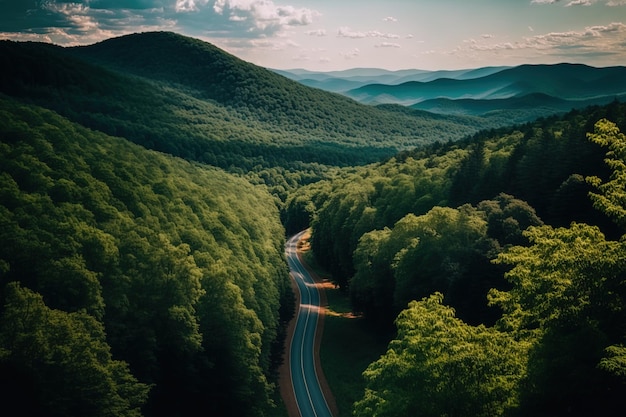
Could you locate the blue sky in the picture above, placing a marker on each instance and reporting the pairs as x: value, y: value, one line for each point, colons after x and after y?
x: 339, y: 34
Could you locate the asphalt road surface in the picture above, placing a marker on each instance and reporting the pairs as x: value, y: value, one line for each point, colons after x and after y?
x: 306, y: 386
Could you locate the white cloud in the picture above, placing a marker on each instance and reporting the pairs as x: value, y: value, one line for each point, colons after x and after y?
x: 72, y: 23
x: 346, y: 32
x: 318, y: 32
x: 603, y: 37
x: 568, y: 4
x: 387, y: 45
x: 68, y: 22
x: 231, y: 19
x: 580, y: 3
x: 390, y: 19
x: 188, y: 5
x: 475, y: 46
x: 351, y: 54
x: 262, y: 17
x: 377, y: 34
x: 602, y: 41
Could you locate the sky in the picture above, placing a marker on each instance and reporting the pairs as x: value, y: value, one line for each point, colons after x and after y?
x: 327, y: 35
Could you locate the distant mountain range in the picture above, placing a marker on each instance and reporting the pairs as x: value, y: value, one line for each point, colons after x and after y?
x: 186, y: 97
x: 479, y: 92
x: 346, y: 80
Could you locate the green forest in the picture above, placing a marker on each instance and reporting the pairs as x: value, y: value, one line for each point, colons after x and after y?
x: 147, y: 187
x: 133, y: 281
x: 498, y: 263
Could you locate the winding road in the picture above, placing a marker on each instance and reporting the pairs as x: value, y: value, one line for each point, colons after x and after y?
x: 306, y: 386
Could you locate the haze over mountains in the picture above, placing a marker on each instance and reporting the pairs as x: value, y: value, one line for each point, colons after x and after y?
x: 533, y: 89
x: 346, y: 80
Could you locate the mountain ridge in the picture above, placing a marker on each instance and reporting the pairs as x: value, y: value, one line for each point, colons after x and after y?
x: 480, y: 91
x: 344, y: 80
x: 565, y: 81
x: 189, y: 98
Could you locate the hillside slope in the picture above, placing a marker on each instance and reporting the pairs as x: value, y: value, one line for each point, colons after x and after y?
x: 188, y: 98
x: 131, y: 280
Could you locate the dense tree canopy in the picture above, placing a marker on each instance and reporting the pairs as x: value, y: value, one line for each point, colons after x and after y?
x: 466, y: 220
x: 445, y: 250
x: 186, y: 97
x: 64, y: 357
x: 515, y: 161
x: 165, y: 276
x: 371, y: 198
x: 557, y: 350
x: 440, y: 366
x: 136, y: 283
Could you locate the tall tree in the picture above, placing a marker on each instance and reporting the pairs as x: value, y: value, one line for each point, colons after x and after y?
x: 611, y: 195
x: 440, y: 366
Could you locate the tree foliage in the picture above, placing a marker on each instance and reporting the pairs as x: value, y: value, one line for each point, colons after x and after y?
x: 185, y: 97
x: 159, y: 286
x: 180, y: 265
x: 371, y: 198
x: 558, y: 347
x: 444, y: 250
x: 65, y: 358
x: 540, y: 166
x: 611, y: 195
x: 440, y: 366
x: 568, y: 293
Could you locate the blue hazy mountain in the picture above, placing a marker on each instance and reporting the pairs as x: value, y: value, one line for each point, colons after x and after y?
x: 343, y: 81
x: 564, y: 81
x: 515, y: 109
x: 521, y: 93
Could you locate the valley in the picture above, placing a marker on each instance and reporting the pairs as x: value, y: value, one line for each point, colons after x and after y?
x: 471, y: 221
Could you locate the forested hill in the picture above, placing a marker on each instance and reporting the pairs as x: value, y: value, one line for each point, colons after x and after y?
x: 131, y: 282
x: 188, y: 98
x: 211, y: 73
x: 501, y: 262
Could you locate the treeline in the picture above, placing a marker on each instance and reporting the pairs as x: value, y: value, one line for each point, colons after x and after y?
x: 559, y: 347
x: 187, y: 98
x: 133, y: 283
x: 542, y: 163
x: 522, y: 306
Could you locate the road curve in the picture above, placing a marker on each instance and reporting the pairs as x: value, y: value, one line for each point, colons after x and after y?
x: 306, y: 386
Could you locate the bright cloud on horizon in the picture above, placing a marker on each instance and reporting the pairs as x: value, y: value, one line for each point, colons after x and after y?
x: 329, y: 35
x: 346, y: 32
